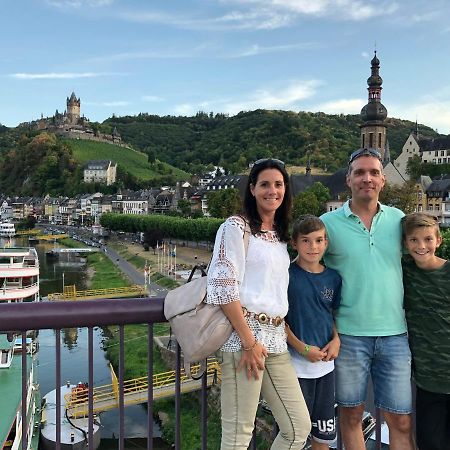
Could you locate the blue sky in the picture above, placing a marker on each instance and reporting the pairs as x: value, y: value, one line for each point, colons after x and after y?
x: 180, y: 56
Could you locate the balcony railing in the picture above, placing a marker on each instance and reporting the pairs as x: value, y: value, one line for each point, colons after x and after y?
x: 22, y: 317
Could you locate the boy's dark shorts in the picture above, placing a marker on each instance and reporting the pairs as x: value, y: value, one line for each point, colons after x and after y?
x: 319, y: 397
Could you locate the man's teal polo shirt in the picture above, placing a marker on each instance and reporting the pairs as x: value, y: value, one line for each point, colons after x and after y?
x: 369, y: 263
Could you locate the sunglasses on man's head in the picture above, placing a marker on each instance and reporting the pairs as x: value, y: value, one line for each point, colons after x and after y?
x: 364, y: 152
x: 276, y: 161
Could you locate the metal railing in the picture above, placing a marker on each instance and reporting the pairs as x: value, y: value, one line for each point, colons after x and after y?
x: 22, y: 317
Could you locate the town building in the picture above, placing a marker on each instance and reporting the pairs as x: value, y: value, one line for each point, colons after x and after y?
x: 100, y: 172
x: 429, y: 150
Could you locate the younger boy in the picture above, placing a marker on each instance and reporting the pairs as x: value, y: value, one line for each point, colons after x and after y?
x: 313, y: 293
x: 426, y: 279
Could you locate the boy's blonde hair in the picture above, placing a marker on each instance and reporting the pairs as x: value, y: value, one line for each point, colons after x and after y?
x: 416, y: 220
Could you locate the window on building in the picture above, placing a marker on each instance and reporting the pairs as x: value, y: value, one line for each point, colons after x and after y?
x: 436, y: 153
x: 370, y: 140
x: 439, y: 160
x: 379, y: 140
x: 436, y: 208
x: 444, y: 160
x: 430, y: 207
x: 363, y: 140
x: 419, y: 208
x: 442, y: 152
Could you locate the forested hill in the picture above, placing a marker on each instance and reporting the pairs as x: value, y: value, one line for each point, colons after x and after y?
x: 233, y: 142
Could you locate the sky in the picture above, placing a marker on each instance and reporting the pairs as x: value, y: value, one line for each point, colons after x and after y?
x: 178, y: 57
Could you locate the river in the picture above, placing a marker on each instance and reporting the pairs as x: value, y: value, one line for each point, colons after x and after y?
x: 74, y: 353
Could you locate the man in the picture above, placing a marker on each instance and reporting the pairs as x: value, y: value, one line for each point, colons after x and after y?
x: 365, y: 248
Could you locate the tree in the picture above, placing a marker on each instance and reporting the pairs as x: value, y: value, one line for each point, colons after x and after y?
x: 152, y: 237
x: 322, y: 194
x: 311, y: 201
x: 223, y: 203
x: 185, y: 207
x: 151, y: 155
x: 414, y: 167
x: 402, y: 197
x: 305, y: 203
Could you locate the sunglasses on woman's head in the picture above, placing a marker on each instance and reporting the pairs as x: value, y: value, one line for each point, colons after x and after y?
x: 276, y: 161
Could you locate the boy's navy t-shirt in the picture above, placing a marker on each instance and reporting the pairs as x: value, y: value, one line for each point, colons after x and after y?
x: 312, y: 299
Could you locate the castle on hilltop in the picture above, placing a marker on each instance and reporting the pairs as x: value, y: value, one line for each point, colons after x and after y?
x: 72, y: 124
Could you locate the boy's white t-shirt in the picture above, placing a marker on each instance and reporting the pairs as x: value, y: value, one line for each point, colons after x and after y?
x: 307, y: 369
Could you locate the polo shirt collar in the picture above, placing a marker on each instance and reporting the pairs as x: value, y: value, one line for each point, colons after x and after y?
x: 348, y: 212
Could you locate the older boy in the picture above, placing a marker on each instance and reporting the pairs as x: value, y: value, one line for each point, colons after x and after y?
x: 426, y: 280
x: 313, y: 294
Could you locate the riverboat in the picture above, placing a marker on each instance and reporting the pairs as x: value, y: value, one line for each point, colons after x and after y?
x: 11, y: 398
x: 19, y: 275
x: 7, y: 230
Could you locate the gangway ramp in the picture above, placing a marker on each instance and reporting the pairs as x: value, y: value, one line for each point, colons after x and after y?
x: 136, y: 390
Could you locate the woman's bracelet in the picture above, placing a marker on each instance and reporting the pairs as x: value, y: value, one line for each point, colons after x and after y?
x: 247, y: 349
x: 306, y: 350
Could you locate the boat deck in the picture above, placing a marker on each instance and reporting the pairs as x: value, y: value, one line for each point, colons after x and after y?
x: 10, y: 391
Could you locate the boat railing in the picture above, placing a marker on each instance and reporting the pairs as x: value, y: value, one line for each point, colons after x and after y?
x: 23, y: 317
x: 14, y: 286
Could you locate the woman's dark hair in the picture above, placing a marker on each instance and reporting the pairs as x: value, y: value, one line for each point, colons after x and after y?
x: 282, y: 214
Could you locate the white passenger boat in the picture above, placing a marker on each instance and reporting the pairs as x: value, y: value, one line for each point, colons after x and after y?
x: 19, y: 275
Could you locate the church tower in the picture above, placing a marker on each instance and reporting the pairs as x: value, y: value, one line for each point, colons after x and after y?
x: 73, y: 109
x: 373, y: 115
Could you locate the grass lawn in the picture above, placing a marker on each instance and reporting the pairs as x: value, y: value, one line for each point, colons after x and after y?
x: 130, y: 160
x: 106, y: 275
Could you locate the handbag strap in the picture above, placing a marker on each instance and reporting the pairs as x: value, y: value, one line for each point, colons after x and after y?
x: 246, y: 238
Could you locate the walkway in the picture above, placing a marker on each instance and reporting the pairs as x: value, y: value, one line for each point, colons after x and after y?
x: 135, y: 391
x: 132, y: 273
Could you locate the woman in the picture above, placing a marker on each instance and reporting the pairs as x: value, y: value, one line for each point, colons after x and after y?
x: 252, y: 291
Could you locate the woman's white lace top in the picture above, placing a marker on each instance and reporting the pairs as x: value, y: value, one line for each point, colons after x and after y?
x: 259, y: 281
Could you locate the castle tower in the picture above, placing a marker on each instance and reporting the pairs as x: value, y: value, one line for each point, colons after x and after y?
x: 73, y: 109
x: 373, y: 115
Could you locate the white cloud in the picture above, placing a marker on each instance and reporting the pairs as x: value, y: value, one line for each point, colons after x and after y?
x: 256, y: 49
x: 356, y: 10
x: 151, y: 98
x: 267, y: 98
x: 56, y: 75
x: 258, y: 20
x: 430, y: 111
x: 341, y: 106
x: 79, y: 3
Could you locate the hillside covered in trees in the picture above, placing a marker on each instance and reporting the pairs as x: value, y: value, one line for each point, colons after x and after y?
x: 36, y: 164
x: 233, y: 142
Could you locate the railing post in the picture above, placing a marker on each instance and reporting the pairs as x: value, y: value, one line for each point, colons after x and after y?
x: 24, y: 391
x: 58, y: 388
x: 121, y: 378
x: 204, y: 409
x: 91, y: 388
x: 150, y: 386
x: 177, y: 397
